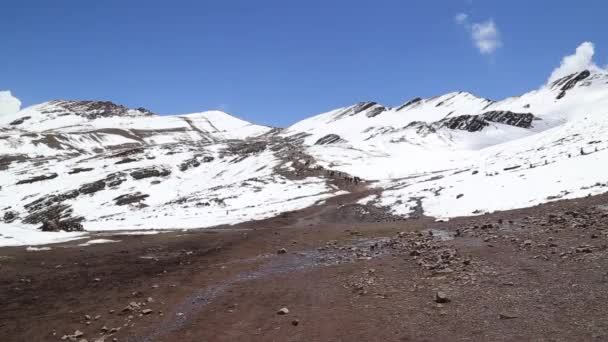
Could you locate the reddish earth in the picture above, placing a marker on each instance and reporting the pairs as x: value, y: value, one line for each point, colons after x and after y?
x: 536, y: 274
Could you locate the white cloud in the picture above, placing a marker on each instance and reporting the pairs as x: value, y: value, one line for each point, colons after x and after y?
x: 581, y: 60
x: 485, y: 35
x: 461, y: 18
x: 8, y: 103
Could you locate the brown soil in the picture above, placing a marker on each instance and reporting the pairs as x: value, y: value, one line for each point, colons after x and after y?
x: 536, y: 274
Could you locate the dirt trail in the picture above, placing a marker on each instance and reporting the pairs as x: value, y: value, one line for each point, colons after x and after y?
x: 536, y: 274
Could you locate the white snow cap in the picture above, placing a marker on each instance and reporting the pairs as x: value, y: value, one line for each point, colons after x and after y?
x: 8, y: 103
x: 581, y: 60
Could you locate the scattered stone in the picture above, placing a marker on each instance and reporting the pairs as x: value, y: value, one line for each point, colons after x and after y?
x: 506, y: 316
x: 146, y: 311
x: 283, y: 311
x: 441, y: 297
x: 282, y: 251
x: 295, y: 322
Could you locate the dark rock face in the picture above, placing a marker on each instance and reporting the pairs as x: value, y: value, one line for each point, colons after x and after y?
x: 470, y: 123
x: 329, y: 139
x: 20, y: 121
x: 91, y: 188
x: 115, y: 179
x: 248, y: 147
x: 9, y: 216
x: 409, y: 103
x: 125, y: 161
x: 67, y: 225
x: 47, y: 201
x: 130, y: 198
x: 569, y: 82
x: 37, y: 179
x: 150, y: 172
x: 476, y: 123
x: 190, y: 163
x: 362, y: 106
x: 375, y: 111
x: 128, y: 152
x: 58, y: 211
x: 80, y: 169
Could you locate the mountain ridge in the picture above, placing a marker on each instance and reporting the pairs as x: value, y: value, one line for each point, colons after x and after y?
x: 76, y: 167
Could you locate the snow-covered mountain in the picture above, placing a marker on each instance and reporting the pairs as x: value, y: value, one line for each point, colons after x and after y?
x: 458, y: 154
x: 68, y: 165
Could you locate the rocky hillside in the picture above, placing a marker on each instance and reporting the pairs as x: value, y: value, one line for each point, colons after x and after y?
x: 71, y: 167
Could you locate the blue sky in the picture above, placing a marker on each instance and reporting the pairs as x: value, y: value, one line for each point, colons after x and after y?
x: 275, y: 62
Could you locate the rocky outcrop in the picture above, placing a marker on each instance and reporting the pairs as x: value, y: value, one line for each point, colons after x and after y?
x: 20, y: 121
x: 189, y: 163
x: 372, y: 108
x: 93, y: 109
x: 10, y: 216
x: 329, y: 139
x: 476, y: 123
x: 67, y: 225
x: 80, y: 169
x: 93, y: 187
x: 150, y: 172
x: 569, y: 82
x: 409, y: 103
x: 37, y: 179
x: 130, y: 198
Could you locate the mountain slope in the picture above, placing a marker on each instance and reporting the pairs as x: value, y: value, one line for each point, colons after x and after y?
x: 479, y: 155
x: 68, y: 167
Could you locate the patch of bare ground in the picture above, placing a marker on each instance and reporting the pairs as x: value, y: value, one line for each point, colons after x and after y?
x: 535, y: 274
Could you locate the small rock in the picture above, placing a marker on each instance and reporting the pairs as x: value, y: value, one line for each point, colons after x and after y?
x: 295, y: 322
x: 506, y: 316
x: 282, y: 251
x: 78, y: 333
x: 283, y: 311
x: 441, y: 297
x: 146, y: 311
